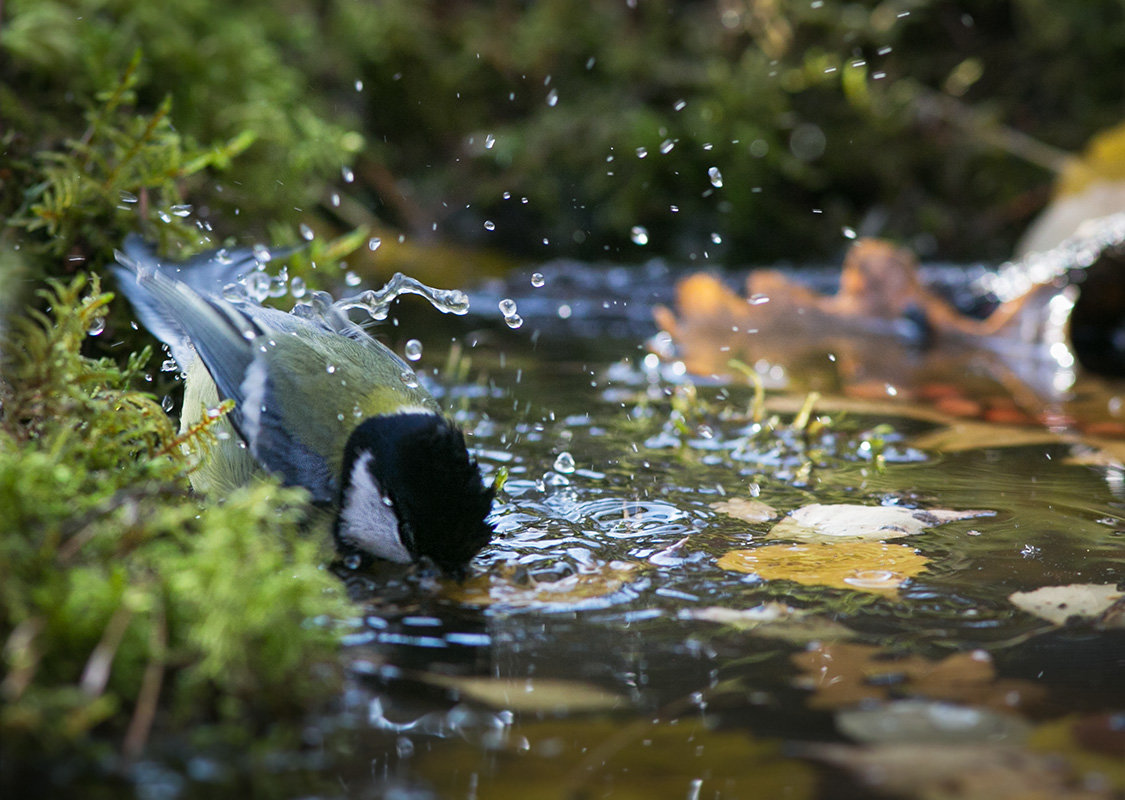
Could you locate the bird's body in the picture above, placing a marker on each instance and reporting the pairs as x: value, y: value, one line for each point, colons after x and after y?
x: 313, y: 397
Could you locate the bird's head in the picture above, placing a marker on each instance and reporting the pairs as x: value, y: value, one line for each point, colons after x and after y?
x: 410, y: 489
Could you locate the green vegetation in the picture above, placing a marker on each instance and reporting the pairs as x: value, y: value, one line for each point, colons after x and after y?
x: 126, y: 603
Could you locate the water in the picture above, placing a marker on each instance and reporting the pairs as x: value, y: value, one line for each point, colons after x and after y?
x: 599, y: 648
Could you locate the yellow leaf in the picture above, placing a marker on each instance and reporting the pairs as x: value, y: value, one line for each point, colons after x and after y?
x: 504, y: 586
x: 863, y: 566
x: 747, y: 510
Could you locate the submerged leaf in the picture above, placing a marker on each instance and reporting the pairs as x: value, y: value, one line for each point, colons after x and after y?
x: 535, y: 695
x: 863, y: 566
x: 1058, y: 604
x: 844, y: 520
x: 918, y: 721
x: 774, y: 621
x: 748, y: 510
x: 508, y: 587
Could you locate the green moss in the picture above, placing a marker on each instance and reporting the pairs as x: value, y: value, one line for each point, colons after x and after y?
x: 126, y: 603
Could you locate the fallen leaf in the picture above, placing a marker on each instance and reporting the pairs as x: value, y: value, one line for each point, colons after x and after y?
x: 844, y: 520
x: 966, y: 772
x: 843, y: 674
x: 774, y: 621
x: 864, y: 566
x: 935, y: 722
x: 969, y: 435
x: 747, y: 510
x: 505, y: 586
x: 1058, y: 604
x: 527, y: 694
x: 607, y: 757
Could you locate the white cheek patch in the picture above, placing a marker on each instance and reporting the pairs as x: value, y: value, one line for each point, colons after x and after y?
x: 366, y: 521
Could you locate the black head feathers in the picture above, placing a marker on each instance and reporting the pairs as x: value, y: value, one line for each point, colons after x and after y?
x: 422, y: 468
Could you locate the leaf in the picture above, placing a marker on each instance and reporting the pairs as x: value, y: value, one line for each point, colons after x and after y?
x: 748, y: 510
x: 843, y: 674
x: 864, y: 522
x: 774, y: 621
x: 1058, y: 604
x: 529, y: 695
x: 975, y: 771
x: 507, y: 587
x: 928, y: 721
x: 864, y: 566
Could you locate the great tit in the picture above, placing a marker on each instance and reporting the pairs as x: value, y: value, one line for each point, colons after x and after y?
x: 319, y: 403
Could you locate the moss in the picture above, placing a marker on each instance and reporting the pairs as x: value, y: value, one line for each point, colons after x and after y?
x: 125, y: 602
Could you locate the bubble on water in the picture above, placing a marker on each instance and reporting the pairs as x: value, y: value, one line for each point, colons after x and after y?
x: 347, y: 174
x: 537, y: 279
x: 553, y: 98
x: 715, y: 176
x: 306, y: 232
x: 413, y: 349
x: 374, y: 243
x: 489, y: 225
x: 408, y: 377
x: 564, y: 463
x: 639, y: 235
x: 352, y: 279
x: 642, y: 152
x: 96, y: 327
x: 297, y: 287
x: 666, y: 146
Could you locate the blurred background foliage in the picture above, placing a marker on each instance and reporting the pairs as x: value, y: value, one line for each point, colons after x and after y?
x: 935, y: 122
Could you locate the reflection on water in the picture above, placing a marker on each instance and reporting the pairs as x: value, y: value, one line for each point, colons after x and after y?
x: 584, y: 656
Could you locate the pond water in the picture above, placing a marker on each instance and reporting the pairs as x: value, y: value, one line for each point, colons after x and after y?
x: 636, y: 630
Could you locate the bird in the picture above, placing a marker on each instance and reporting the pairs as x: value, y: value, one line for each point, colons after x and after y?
x: 318, y: 402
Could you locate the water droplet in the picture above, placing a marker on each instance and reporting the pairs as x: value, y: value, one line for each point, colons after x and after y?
x: 716, y: 238
x: 409, y: 378
x: 758, y: 299
x: 297, y: 287
x: 97, y: 326
x: 262, y: 255
x: 564, y: 463
x: 680, y: 105
x: 351, y: 279
x: 537, y: 279
x: 507, y: 195
x: 489, y: 225
x: 330, y: 369
x: 182, y: 210
x: 641, y: 152
x: 347, y: 174
x: 169, y: 365
x: 306, y: 232
x: 514, y: 321
x: 413, y: 349
x: 666, y: 146
x: 373, y: 243
x: 489, y: 141
x: 553, y: 98
x: 128, y: 197
x: 353, y: 561
x: 849, y: 232
x: 359, y: 86
x: 639, y: 235
x: 715, y: 176
x: 507, y: 306
x: 335, y: 199
x: 166, y: 402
